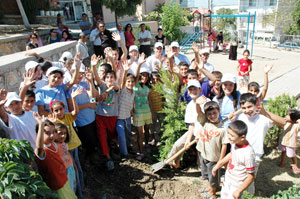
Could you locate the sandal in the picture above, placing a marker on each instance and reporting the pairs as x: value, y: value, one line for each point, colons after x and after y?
x: 295, y: 169
x: 140, y: 157
x: 206, y: 195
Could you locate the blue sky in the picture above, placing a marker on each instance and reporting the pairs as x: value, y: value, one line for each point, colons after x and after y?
x: 203, y: 3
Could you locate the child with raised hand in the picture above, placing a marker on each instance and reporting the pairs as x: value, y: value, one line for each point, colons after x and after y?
x: 126, y: 101
x: 28, y: 101
x: 212, y: 145
x: 288, y: 140
x: 54, y: 172
x: 244, y: 68
x: 254, y: 88
x: 107, y: 109
x: 62, y: 138
x: 55, y: 90
x: 58, y: 114
x: 240, y: 171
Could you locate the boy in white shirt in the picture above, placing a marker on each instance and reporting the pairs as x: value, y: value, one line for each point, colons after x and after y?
x: 19, y: 124
x: 240, y: 171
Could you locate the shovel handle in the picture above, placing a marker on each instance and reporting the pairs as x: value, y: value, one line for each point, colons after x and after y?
x: 179, y: 152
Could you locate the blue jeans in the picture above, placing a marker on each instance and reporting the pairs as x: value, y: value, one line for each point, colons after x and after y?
x: 79, y: 173
x: 124, y: 134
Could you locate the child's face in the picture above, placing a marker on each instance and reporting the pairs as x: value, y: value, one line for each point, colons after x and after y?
x: 204, y: 57
x: 217, y: 83
x: 54, y: 79
x: 49, y: 134
x: 249, y: 109
x: 61, y: 135
x: 183, y: 70
x: 129, y: 83
x: 228, y: 88
x: 110, y: 79
x: 144, y: 77
x: 253, y: 91
x: 115, y: 55
x: 58, y: 110
x: 245, y: 55
x: 155, y: 79
x: 234, y: 138
x: 134, y: 54
x: 28, y: 103
x: 192, y: 77
x: 101, y: 72
x: 213, y: 115
x: 15, y: 108
x: 194, y: 92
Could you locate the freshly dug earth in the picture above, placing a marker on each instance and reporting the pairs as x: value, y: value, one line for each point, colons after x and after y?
x: 134, y: 179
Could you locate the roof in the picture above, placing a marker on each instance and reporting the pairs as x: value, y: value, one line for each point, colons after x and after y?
x: 202, y: 11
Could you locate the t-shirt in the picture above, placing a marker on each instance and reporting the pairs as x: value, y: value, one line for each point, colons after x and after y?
x: 240, y: 164
x: 109, y: 107
x: 85, y: 24
x: 141, y: 101
x: 21, y: 127
x: 181, y: 58
x: 87, y: 115
x: 156, y: 101
x: 206, y: 89
x: 258, y: 126
x: 227, y: 107
x: 145, y: 35
x: 289, y: 135
x: 133, y: 68
x: 212, y: 137
x: 74, y: 139
x: 160, y: 39
x: 151, y: 61
x: 46, y: 95
x: 244, y: 66
x: 126, y: 100
x: 190, y: 116
x: 52, y: 168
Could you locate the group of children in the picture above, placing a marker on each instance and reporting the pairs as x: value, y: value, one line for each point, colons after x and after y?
x: 63, y: 105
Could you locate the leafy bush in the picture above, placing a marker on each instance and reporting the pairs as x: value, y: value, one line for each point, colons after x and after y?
x: 18, y: 180
x: 278, y: 106
x: 174, y: 126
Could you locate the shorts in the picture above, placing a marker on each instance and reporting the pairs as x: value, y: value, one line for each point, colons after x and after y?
x: 242, y: 79
x: 206, y: 171
x: 142, y: 119
x: 66, y: 192
x: 227, y: 191
x: 290, y: 151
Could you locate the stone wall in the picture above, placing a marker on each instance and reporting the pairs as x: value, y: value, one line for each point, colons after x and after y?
x: 12, y: 66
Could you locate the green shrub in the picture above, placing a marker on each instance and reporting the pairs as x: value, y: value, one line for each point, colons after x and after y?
x: 18, y: 180
x: 174, y: 126
x: 278, y: 106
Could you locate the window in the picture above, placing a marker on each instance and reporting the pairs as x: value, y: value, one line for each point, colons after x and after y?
x: 252, y: 2
x: 273, y: 2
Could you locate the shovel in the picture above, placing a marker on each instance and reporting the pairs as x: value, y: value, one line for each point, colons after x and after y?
x: 158, y: 166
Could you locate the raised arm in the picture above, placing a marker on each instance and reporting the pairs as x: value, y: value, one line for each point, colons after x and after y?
x: 94, y: 62
x: 3, y: 114
x: 29, y: 80
x: 39, y: 150
x: 92, y: 92
x: 117, y: 38
x: 74, y: 94
x: 126, y: 68
x: 76, y: 73
x: 266, y: 83
x: 279, y: 121
x: 141, y: 61
x: 196, y: 52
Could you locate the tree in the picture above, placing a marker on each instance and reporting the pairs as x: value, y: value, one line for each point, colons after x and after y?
x: 23, y: 14
x: 222, y: 23
x: 296, y: 15
x: 122, y: 7
x: 172, y: 18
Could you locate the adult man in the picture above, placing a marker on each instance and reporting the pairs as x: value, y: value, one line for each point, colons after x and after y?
x: 95, y: 37
x: 144, y: 38
x: 121, y: 33
x: 106, y: 38
x: 82, y: 48
x: 154, y: 61
x: 85, y: 25
x: 177, y: 56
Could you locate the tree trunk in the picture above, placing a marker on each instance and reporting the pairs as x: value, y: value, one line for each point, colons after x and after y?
x: 23, y: 14
x: 116, y: 20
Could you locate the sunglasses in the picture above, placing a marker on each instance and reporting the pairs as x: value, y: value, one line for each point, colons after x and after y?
x: 101, y: 26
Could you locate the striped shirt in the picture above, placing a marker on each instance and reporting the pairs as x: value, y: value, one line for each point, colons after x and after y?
x: 126, y: 99
x: 155, y: 101
x: 289, y: 135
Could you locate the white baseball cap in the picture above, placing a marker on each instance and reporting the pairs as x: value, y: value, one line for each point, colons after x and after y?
x: 54, y: 68
x: 81, y: 69
x: 145, y: 68
x: 175, y: 44
x: 11, y: 96
x: 65, y: 56
x: 31, y: 64
x: 194, y: 83
x: 228, y: 77
x: 158, y: 44
x: 205, y: 51
x: 133, y: 47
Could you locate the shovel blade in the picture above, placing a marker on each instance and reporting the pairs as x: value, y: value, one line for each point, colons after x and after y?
x: 158, y: 166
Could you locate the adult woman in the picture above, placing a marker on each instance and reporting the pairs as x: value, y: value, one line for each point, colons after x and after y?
x: 160, y: 37
x: 66, y: 36
x: 53, y: 38
x: 33, y: 42
x: 129, y: 37
x: 38, y: 40
x: 233, y: 46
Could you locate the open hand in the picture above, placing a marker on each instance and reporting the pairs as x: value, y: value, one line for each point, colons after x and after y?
x: 76, y: 92
x: 38, y: 118
x: 267, y: 68
x: 116, y: 36
x: 30, y: 77
x: 142, y: 58
x: 95, y: 60
x: 126, y: 66
x: 3, y: 95
x: 201, y: 100
x: 77, y: 60
x: 195, y: 47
